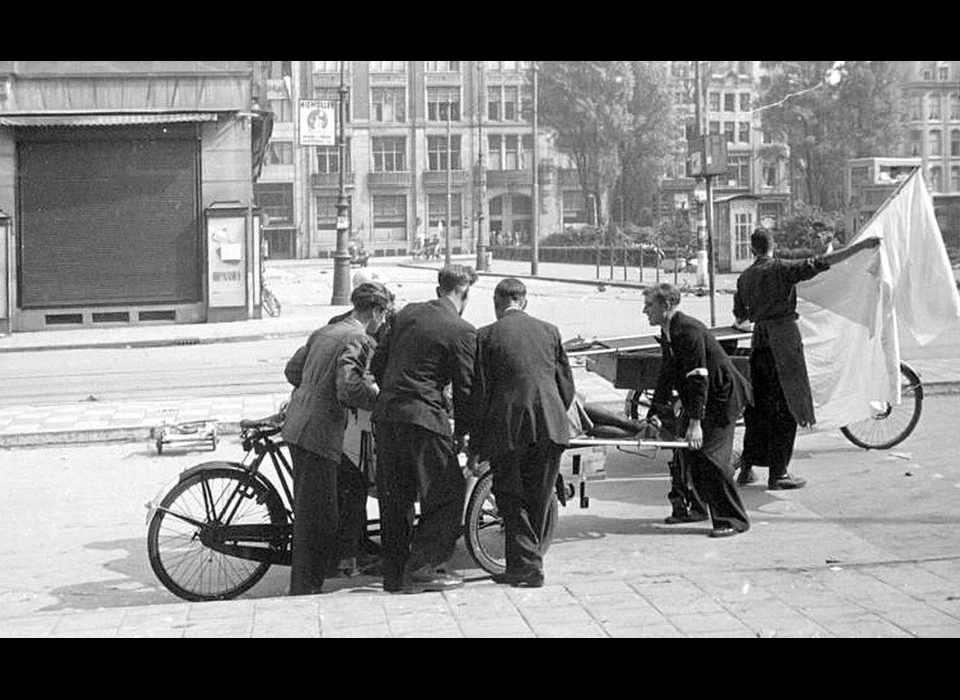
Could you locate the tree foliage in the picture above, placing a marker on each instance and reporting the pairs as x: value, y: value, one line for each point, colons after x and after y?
x: 825, y: 124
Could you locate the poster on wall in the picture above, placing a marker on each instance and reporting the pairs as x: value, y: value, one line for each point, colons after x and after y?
x: 317, y: 122
x: 226, y: 280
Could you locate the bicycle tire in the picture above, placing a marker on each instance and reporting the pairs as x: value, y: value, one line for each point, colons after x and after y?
x: 187, y: 567
x: 876, y: 433
x: 483, y: 531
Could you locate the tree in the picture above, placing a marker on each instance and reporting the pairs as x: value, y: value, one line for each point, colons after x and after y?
x: 825, y: 124
x: 586, y: 104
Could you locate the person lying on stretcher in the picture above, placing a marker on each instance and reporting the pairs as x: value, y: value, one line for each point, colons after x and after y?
x: 594, y: 420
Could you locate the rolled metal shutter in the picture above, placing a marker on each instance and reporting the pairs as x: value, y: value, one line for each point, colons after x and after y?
x: 108, y: 216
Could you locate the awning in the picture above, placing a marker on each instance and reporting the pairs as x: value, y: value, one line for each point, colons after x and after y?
x: 115, y: 119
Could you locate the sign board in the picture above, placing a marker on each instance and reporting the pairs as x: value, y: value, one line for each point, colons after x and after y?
x: 708, y: 155
x: 225, y: 245
x: 318, y: 122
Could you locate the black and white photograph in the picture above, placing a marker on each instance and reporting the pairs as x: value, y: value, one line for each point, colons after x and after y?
x: 480, y: 349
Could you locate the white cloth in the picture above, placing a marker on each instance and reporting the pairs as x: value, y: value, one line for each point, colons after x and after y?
x: 854, y: 316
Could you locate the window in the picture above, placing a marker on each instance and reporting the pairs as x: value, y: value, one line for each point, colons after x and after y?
x: 738, y: 168
x: 494, y: 156
x: 927, y: 74
x: 275, y: 199
x: 955, y: 179
x: 508, y: 65
x: 437, y: 211
x: 729, y: 102
x: 511, y: 155
x: 278, y: 70
x: 915, y: 143
x: 916, y: 107
x: 936, y: 176
x: 326, y: 66
x: 935, y: 143
x: 954, y: 107
x: 492, y: 65
x: 770, y: 175
x: 282, y: 111
x: 387, y: 66
x: 441, y: 66
x: 729, y: 131
x: 493, y: 104
x: 574, y: 211
x: 390, y: 211
x: 389, y: 154
x: 327, y: 211
x: 511, y: 99
x: 714, y: 101
x: 955, y: 142
x: 389, y: 105
x: 744, y: 101
x: 526, y: 153
x: 437, y: 152
x: 280, y: 153
x: 328, y: 158
x: 439, y: 100
x: 933, y: 102
x: 742, y: 67
x: 943, y: 73
x: 332, y: 94
x: 714, y: 128
x: 742, y: 230
x: 744, y: 132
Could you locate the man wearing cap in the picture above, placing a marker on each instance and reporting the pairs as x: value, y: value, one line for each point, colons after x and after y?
x: 429, y: 348
x: 332, y: 378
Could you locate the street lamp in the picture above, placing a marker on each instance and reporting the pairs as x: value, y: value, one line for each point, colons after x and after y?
x: 449, y: 226
x: 535, y: 250
x: 482, y: 237
x: 341, y: 258
x: 7, y: 263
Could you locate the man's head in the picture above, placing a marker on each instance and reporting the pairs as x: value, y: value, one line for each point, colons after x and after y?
x: 659, y: 302
x: 454, y: 282
x: 509, y: 294
x: 371, y: 302
x: 761, y: 242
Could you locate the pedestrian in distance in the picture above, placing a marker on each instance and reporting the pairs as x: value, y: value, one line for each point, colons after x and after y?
x: 331, y: 377
x: 767, y: 296
x: 712, y: 396
x: 429, y: 348
x: 523, y: 387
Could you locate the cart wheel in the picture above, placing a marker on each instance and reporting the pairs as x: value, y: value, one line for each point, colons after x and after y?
x: 890, y: 425
x: 483, y: 528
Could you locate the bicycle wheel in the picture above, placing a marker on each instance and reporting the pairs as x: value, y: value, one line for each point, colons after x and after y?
x: 890, y: 425
x: 483, y: 531
x: 216, y: 496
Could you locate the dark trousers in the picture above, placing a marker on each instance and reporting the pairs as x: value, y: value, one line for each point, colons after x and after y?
x: 315, y: 520
x: 524, y: 485
x: 770, y: 427
x: 717, y: 490
x: 352, y: 487
x: 683, y: 496
x: 411, y: 462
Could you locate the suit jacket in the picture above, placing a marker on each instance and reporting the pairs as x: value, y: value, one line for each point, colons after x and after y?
x: 429, y: 347
x: 332, y: 377
x: 523, y: 386
x: 694, y: 364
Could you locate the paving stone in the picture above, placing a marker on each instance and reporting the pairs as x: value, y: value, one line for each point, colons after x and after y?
x: 706, y: 622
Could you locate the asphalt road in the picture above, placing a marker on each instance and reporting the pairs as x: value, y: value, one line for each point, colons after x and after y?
x: 73, y: 531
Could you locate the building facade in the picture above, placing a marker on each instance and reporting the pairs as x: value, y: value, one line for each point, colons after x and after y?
x: 126, y: 187
x: 408, y: 125
x: 931, y: 108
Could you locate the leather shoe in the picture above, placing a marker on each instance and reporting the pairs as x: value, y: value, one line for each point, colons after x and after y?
x: 786, y: 482
x: 723, y: 531
x: 429, y: 579
x: 676, y: 519
x: 533, y: 579
x: 746, y: 476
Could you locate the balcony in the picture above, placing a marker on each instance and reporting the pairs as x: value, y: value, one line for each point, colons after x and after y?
x: 403, y: 178
x: 506, y: 178
x: 438, y: 178
x: 330, y: 180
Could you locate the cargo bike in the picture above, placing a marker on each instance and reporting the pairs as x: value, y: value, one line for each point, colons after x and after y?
x: 215, y: 532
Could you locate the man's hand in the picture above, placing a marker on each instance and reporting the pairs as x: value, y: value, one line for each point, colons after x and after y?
x: 695, y: 435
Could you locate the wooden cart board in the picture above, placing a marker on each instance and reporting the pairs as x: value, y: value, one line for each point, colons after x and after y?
x: 200, y: 433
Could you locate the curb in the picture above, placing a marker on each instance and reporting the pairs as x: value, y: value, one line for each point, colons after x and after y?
x: 159, y: 342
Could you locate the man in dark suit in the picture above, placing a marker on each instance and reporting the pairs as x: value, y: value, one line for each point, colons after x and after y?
x: 712, y: 393
x: 523, y: 387
x: 429, y: 347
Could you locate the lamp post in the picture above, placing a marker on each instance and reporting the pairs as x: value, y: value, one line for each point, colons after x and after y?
x: 535, y: 251
x: 482, y: 236
x: 449, y: 226
x: 341, y: 258
x: 7, y: 264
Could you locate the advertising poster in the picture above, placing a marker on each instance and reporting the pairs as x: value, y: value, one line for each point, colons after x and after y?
x: 226, y: 261
x: 318, y: 122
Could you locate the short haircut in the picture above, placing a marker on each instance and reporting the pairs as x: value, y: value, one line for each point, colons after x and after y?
x: 761, y: 241
x: 453, y: 277
x: 369, y: 296
x: 666, y: 293
x: 509, y: 290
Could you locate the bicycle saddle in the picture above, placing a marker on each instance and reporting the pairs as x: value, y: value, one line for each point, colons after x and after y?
x: 274, y: 422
